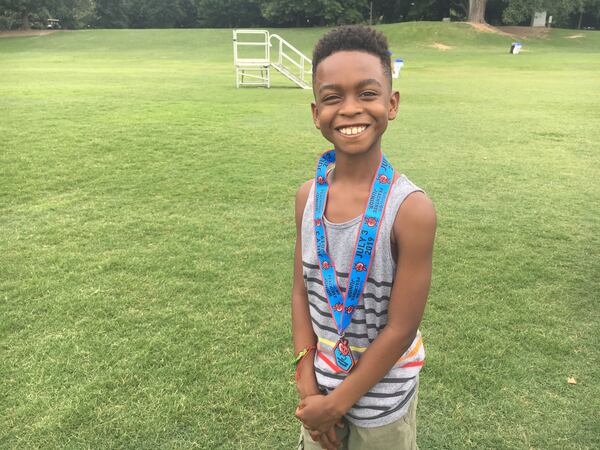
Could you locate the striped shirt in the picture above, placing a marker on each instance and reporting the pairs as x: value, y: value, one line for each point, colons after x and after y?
x: 389, y: 399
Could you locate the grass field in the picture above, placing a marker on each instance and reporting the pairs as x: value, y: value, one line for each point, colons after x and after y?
x: 146, y: 235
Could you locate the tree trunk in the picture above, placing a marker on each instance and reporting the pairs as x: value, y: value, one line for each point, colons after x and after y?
x: 25, y: 22
x: 477, y: 11
x: 580, y: 18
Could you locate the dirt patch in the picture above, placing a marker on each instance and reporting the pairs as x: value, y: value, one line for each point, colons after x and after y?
x: 515, y: 32
x: 574, y: 36
x: 441, y: 46
x: 20, y: 33
x: 486, y: 28
x: 526, y: 32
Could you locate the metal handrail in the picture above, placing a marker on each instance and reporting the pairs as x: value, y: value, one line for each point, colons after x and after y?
x: 291, y: 62
x: 264, y: 42
x: 303, y: 58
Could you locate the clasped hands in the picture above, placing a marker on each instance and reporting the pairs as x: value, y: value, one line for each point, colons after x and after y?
x: 320, y: 418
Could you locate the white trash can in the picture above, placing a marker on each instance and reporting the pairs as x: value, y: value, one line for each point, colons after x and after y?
x: 398, y: 64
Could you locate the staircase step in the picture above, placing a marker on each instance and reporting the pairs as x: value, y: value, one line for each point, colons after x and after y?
x: 287, y: 73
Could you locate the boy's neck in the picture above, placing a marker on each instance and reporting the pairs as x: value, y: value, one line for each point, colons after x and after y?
x: 356, y: 169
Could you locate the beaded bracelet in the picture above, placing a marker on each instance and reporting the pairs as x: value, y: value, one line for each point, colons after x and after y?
x: 302, y: 353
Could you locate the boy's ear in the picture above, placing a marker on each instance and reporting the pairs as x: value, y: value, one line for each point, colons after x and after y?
x: 315, y: 114
x: 394, y: 102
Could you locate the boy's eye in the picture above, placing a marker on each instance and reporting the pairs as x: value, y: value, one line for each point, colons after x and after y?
x: 368, y: 94
x: 331, y: 98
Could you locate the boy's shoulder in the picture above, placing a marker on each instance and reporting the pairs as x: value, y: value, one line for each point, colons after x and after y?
x: 304, y: 190
x: 416, y: 211
x: 302, y: 197
x: 415, y: 218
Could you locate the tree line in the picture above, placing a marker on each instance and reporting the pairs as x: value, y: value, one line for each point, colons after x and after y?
x: 76, y: 14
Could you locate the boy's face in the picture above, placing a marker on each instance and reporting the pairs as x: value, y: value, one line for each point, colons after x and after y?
x: 353, y: 101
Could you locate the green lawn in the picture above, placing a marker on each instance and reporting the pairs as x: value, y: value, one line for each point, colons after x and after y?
x: 146, y: 235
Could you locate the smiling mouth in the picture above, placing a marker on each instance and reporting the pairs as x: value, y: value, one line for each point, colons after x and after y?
x: 352, y: 131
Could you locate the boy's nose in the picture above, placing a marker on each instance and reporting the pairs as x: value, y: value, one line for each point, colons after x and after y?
x: 350, y: 107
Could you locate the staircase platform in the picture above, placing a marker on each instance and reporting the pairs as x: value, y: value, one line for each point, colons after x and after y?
x: 253, y: 59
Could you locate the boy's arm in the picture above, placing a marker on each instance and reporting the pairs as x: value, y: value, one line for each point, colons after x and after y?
x: 414, y: 232
x: 302, y: 331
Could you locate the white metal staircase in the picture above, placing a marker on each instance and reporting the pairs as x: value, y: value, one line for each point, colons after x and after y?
x: 253, y: 58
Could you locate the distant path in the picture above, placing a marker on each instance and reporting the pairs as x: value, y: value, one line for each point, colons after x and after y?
x: 20, y: 33
x: 486, y: 28
x: 520, y: 32
x: 526, y: 32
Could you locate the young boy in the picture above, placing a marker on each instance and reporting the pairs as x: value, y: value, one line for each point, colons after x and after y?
x: 362, y: 265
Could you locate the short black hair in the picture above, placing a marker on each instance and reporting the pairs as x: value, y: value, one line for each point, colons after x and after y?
x: 353, y: 38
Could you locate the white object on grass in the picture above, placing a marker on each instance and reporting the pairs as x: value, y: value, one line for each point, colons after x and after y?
x: 398, y: 64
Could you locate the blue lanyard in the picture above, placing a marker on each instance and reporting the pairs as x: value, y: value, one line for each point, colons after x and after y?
x: 343, y: 306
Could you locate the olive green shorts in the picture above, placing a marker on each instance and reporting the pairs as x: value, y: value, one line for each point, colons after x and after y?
x: 398, y: 435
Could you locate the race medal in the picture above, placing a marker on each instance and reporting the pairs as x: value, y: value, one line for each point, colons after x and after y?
x: 342, y: 306
x: 343, y: 355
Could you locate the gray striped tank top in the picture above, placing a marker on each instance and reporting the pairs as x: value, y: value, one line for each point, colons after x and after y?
x: 389, y: 399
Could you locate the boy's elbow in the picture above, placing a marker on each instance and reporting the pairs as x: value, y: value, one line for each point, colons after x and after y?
x: 400, y: 336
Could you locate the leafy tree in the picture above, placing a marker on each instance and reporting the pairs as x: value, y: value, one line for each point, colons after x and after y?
x: 343, y: 12
x: 74, y: 13
x: 229, y: 13
x: 153, y: 13
x: 111, y: 14
x: 571, y: 13
x: 289, y: 12
x: 494, y: 10
x: 591, y: 8
x: 189, y: 17
x: 519, y: 11
x: 427, y: 10
x: 8, y: 19
x: 24, y: 9
x: 388, y: 11
x: 459, y: 9
x: 314, y: 12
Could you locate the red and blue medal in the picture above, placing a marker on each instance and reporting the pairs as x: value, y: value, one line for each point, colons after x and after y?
x: 343, y: 306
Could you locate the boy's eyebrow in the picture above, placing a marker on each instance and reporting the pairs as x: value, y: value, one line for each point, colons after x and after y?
x: 329, y: 86
x: 368, y: 81
x: 359, y: 85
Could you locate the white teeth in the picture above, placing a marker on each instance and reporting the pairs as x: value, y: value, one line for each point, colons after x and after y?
x: 350, y: 131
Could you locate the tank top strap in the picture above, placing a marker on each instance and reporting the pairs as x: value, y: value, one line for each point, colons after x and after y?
x: 307, y: 216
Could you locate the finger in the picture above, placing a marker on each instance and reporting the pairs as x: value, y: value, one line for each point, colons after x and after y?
x: 340, y: 423
x: 332, y: 436
x: 324, y: 427
x: 323, y: 442
x: 314, y: 435
x: 326, y: 443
